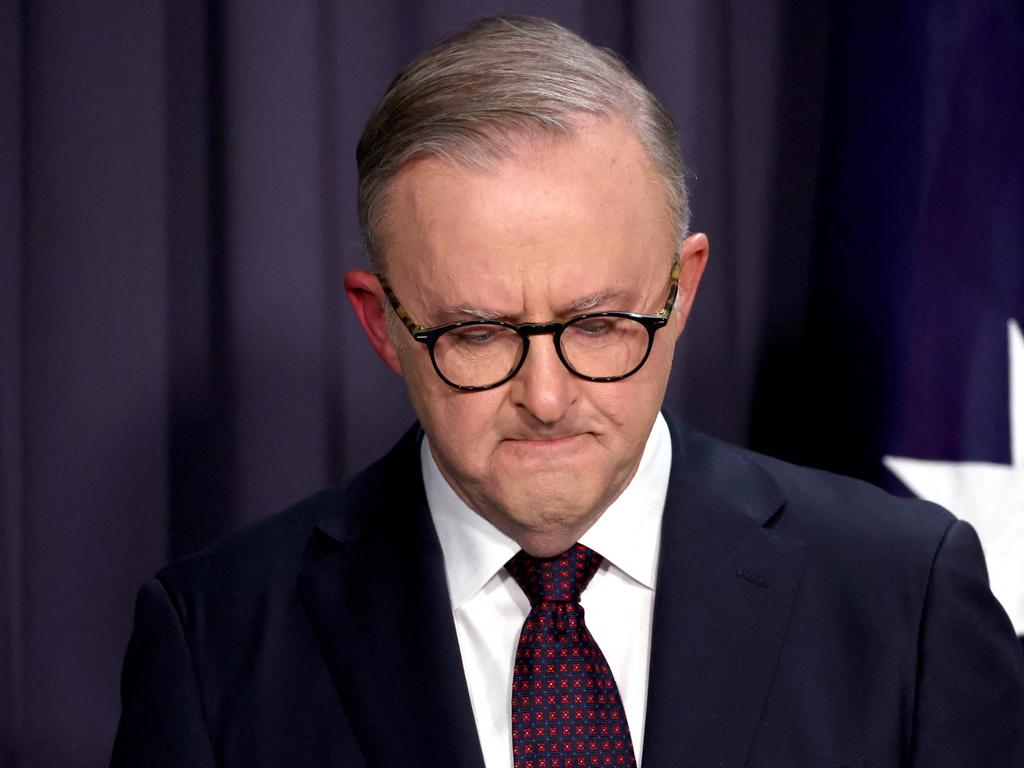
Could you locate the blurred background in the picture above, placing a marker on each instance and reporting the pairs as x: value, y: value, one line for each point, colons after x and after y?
x: 178, y: 360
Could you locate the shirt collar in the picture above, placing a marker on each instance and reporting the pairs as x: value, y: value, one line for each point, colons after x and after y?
x: 628, y: 532
x: 626, y: 535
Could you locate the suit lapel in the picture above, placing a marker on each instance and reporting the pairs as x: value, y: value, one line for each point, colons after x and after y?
x: 725, y: 590
x: 378, y: 601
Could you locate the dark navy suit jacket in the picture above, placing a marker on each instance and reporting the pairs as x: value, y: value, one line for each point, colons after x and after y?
x: 801, y: 620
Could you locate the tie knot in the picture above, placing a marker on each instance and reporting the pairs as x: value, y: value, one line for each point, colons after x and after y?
x: 558, y: 579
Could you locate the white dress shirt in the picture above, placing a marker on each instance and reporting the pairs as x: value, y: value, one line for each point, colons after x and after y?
x: 489, y: 608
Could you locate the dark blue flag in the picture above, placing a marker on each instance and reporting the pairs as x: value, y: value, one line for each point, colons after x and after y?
x: 911, y: 371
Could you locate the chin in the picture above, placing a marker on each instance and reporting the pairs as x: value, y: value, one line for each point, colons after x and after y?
x: 544, y: 515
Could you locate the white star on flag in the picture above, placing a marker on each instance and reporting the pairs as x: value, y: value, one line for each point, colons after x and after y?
x: 988, y: 496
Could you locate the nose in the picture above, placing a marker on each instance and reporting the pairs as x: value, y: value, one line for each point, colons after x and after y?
x: 544, y: 387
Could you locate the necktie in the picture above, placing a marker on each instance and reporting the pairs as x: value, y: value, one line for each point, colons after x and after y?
x: 566, y: 710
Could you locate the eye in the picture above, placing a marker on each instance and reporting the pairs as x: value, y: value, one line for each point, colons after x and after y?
x: 475, y: 335
x: 594, y: 326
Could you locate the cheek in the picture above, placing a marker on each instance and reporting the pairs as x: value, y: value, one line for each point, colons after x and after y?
x: 658, y: 367
x: 465, y: 440
x: 460, y: 425
x: 426, y: 392
x: 629, y: 408
x: 629, y: 403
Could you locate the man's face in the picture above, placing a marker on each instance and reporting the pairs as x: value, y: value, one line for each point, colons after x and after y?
x: 565, y: 227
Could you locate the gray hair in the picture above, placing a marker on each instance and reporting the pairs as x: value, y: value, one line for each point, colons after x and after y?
x: 474, y: 98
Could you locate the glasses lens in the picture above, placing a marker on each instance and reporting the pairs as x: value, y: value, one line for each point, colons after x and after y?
x: 602, y: 347
x: 477, y: 355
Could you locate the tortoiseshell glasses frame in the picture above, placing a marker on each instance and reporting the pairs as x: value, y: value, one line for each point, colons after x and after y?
x: 430, y: 336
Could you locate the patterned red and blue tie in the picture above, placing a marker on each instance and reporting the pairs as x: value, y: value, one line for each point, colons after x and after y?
x: 566, y: 710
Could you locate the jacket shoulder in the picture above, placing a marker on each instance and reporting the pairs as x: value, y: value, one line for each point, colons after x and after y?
x: 256, y: 560
x: 261, y: 564
x: 841, y: 517
x: 817, y: 498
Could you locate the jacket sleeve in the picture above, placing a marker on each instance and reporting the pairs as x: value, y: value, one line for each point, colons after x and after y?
x: 162, y: 720
x: 969, y: 708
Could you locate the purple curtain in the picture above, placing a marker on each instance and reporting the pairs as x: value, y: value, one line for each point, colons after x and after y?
x: 177, y: 357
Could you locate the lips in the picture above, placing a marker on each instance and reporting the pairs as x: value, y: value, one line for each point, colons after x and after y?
x: 549, y: 442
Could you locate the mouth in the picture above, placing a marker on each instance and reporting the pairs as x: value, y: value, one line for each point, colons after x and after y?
x: 549, y: 444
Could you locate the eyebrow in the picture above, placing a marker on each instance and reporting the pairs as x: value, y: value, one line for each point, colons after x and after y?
x: 474, y: 313
x: 596, y: 300
x: 579, y: 306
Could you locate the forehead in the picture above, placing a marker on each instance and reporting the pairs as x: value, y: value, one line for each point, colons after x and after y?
x: 587, y: 206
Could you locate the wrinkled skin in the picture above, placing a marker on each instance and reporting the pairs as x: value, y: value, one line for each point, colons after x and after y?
x: 567, y: 223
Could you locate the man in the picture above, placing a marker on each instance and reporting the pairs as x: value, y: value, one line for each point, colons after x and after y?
x: 548, y: 572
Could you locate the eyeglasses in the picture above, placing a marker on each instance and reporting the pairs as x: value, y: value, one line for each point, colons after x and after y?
x: 474, y: 355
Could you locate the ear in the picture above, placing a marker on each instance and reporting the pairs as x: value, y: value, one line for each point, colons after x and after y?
x: 366, y: 296
x: 693, y: 257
